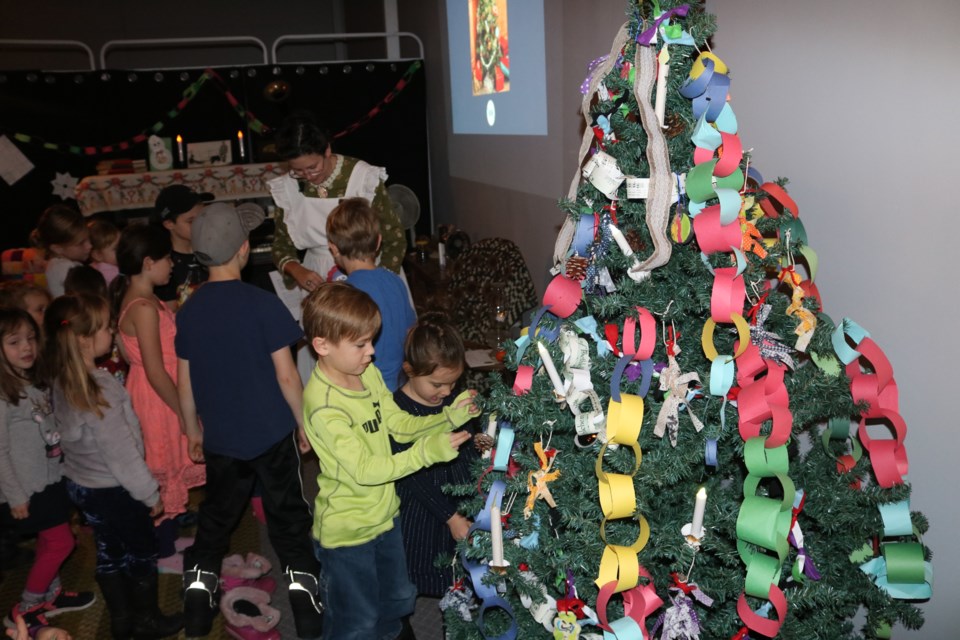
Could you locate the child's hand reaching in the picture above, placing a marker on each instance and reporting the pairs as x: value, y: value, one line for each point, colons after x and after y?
x: 465, y: 401
x: 459, y: 526
x: 457, y: 438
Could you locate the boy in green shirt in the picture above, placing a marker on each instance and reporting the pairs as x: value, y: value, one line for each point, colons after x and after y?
x: 349, y: 415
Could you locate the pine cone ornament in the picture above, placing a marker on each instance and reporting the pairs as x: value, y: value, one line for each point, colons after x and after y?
x: 635, y: 241
x: 577, y: 268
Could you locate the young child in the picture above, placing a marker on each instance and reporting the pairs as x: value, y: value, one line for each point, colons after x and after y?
x: 28, y: 296
x: 350, y: 415
x: 86, y: 280
x: 107, y: 477
x: 353, y: 235
x: 104, y: 236
x: 433, y: 362
x: 62, y: 232
x: 176, y: 207
x: 146, y: 329
x: 237, y: 375
x: 32, y: 493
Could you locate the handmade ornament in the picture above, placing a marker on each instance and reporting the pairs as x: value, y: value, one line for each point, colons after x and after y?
x: 64, y: 186
x: 545, y: 611
x: 566, y: 627
x: 604, y: 174
x: 576, y: 268
x: 675, y: 385
x: 767, y: 341
x: 538, y: 481
x: 459, y: 599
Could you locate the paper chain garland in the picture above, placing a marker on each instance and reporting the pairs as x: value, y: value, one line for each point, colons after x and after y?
x: 189, y: 94
x: 900, y: 570
x: 763, y: 524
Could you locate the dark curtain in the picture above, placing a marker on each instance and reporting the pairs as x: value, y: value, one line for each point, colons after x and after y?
x: 46, y: 114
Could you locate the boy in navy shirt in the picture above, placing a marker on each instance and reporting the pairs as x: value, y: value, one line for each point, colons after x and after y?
x: 237, y: 375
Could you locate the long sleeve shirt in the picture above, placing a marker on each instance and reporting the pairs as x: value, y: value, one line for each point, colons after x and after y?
x: 350, y: 432
x: 105, y: 452
x: 393, y: 245
x: 26, y: 429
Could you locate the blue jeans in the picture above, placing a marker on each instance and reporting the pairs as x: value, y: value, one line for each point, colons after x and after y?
x: 365, y: 588
x: 122, y: 528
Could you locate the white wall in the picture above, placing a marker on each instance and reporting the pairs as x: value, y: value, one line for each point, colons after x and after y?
x: 855, y: 103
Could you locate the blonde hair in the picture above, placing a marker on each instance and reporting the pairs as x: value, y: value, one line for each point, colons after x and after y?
x: 338, y: 311
x: 103, y: 233
x: 353, y: 226
x: 68, y: 319
x: 59, y: 224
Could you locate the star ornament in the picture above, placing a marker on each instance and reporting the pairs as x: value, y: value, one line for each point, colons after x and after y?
x: 64, y: 186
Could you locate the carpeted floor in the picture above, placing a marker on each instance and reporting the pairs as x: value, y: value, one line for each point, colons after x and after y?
x: 93, y: 623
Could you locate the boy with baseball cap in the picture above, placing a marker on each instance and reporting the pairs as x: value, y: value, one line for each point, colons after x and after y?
x: 237, y: 375
x: 175, y: 209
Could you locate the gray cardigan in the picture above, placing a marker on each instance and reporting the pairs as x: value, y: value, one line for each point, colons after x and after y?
x: 105, y: 452
x: 25, y: 430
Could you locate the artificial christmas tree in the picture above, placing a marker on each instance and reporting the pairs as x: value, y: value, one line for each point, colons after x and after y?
x: 690, y: 447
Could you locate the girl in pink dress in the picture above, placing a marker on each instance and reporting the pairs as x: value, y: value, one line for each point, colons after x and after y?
x: 146, y: 329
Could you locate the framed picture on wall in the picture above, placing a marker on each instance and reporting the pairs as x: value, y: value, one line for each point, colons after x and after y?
x: 209, y: 154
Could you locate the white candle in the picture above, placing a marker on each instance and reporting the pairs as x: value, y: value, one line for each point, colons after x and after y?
x: 551, y: 370
x: 243, y: 150
x: 621, y: 240
x: 496, y: 536
x: 180, y: 154
x: 696, y: 528
x: 663, y: 70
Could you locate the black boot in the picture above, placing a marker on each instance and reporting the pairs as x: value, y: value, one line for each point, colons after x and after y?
x: 116, y: 591
x: 305, y: 603
x: 201, y: 600
x: 149, y: 622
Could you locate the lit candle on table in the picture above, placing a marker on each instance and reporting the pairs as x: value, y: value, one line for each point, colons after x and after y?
x: 180, y: 154
x: 243, y: 150
x: 496, y: 537
x: 551, y: 370
x: 696, y: 528
x: 621, y: 240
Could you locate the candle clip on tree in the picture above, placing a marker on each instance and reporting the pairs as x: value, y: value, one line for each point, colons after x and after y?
x: 688, y: 446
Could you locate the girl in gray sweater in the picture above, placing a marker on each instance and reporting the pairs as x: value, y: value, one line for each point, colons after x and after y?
x: 106, y: 475
x: 32, y: 494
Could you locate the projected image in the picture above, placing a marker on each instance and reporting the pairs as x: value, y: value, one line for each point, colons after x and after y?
x: 489, y: 46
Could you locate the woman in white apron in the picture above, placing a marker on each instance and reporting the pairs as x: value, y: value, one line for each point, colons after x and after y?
x: 318, y: 179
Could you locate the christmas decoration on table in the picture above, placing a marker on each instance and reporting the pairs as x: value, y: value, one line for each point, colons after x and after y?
x: 678, y: 263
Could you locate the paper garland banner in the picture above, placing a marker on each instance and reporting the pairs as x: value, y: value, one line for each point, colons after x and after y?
x: 188, y: 95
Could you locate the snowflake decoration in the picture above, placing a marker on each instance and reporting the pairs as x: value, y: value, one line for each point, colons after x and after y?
x: 64, y: 186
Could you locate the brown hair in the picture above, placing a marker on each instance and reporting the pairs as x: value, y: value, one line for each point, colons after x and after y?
x: 13, y: 293
x: 12, y: 383
x: 85, y: 279
x: 103, y: 233
x: 338, y: 311
x: 59, y: 224
x: 67, y: 319
x: 431, y: 343
x: 353, y: 226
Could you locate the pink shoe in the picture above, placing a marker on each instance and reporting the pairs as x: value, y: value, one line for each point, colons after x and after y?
x: 248, y: 614
x: 256, y: 505
x: 237, y: 571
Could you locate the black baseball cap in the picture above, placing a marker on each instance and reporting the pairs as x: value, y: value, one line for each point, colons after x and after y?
x: 177, y: 199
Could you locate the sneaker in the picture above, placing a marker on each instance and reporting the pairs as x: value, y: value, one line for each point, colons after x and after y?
x: 34, y: 617
x: 200, y: 602
x: 305, y: 604
x: 66, y: 601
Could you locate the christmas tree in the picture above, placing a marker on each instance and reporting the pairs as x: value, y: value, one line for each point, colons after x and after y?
x: 688, y: 446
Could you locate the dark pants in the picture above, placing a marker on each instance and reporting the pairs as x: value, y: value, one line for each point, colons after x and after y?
x: 122, y: 528
x: 229, y: 486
